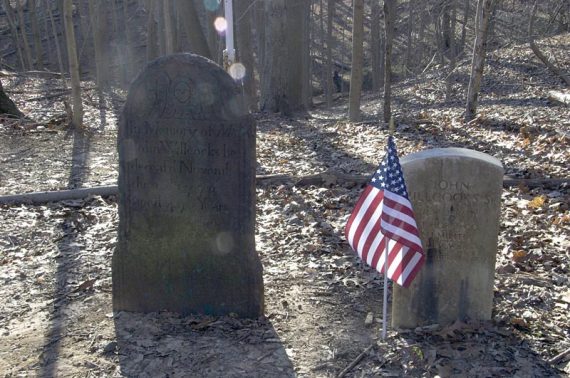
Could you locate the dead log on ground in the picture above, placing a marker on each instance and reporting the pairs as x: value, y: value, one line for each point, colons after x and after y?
x: 324, y: 179
x: 559, y: 98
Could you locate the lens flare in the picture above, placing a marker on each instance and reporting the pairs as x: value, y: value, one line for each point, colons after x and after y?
x: 211, y: 5
x: 220, y: 24
x: 237, y: 71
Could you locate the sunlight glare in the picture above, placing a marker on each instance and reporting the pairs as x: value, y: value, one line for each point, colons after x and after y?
x: 220, y: 24
x: 237, y: 71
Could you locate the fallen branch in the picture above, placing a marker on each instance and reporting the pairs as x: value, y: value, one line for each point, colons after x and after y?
x: 559, y: 357
x: 325, y: 179
x: 60, y: 195
x: 559, y: 98
x: 355, y: 361
x: 534, y: 47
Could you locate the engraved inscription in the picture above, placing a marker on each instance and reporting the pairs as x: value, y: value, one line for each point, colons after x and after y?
x: 451, y: 191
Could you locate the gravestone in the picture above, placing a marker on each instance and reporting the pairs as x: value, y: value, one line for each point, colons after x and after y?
x: 455, y: 194
x: 186, y: 194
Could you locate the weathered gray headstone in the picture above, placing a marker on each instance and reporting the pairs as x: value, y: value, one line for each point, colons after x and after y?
x: 186, y: 194
x: 456, y: 196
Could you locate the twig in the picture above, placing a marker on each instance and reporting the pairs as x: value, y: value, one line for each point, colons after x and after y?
x: 355, y: 361
x: 556, y: 359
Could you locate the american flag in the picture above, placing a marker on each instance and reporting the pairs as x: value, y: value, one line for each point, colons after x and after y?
x: 383, y: 215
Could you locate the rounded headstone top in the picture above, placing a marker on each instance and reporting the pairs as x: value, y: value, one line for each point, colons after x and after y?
x: 185, y: 86
x: 451, y: 152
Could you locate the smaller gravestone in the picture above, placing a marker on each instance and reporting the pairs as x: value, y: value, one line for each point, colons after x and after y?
x: 186, y: 194
x: 455, y: 194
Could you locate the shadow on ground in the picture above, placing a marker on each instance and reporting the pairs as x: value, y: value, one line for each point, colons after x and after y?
x: 168, y: 345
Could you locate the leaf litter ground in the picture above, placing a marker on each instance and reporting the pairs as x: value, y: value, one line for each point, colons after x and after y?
x: 323, y: 306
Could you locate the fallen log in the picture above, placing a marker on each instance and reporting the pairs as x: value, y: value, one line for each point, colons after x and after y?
x: 559, y: 98
x: 60, y: 195
x: 324, y: 179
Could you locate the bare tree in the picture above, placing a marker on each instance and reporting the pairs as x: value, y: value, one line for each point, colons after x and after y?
x: 168, y: 27
x: 95, y: 15
x: 127, y: 49
x: 26, y: 44
x: 57, y: 46
x: 273, y: 77
x: 536, y: 50
x: 329, y: 49
x: 193, y: 29
x: 466, y: 9
x: 389, y: 18
x: 15, y: 35
x: 151, y: 27
x: 452, y: 52
x: 479, y: 53
x: 357, y: 60
x: 410, y: 34
x: 36, y: 33
x: 282, y: 70
x: 77, y: 120
x: 297, y: 30
x: 245, y: 48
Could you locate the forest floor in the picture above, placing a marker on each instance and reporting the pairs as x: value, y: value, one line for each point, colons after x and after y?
x: 55, y: 259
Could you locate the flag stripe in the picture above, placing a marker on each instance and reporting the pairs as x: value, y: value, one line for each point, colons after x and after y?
x: 402, y: 235
x: 364, y: 222
x: 377, y: 244
x: 411, y: 268
x: 399, y: 203
x: 355, y: 217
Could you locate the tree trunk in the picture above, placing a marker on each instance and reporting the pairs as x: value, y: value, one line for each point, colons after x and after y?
x: 479, y: 52
x: 329, y: 50
x: 296, y: 27
x: 151, y: 27
x: 15, y: 35
x: 260, y: 31
x: 452, y: 53
x: 127, y: 48
x: 193, y: 30
x: 245, y: 49
x: 168, y: 27
x: 306, y: 83
x: 274, y: 75
x: 446, y: 25
x: 57, y: 46
x: 538, y: 53
x: 389, y: 16
x: 357, y: 60
x: 7, y: 106
x: 464, y: 26
x: 94, y: 15
x: 160, y: 28
x: 73, y: 63
x: 410, y: 35
x: 22, y: 22
x: 36, y: 34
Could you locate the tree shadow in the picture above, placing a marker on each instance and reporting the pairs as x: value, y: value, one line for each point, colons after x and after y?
x: 166, y: 344
x: 67, y: 263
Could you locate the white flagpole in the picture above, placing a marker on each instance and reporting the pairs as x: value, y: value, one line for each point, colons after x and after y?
x: 391, y: 129
x: 385, y: 302
x: 230, y: 49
